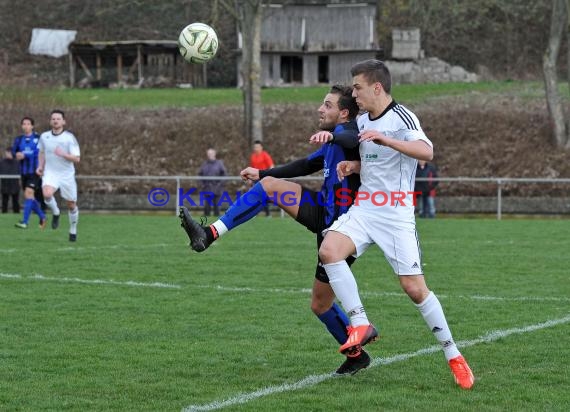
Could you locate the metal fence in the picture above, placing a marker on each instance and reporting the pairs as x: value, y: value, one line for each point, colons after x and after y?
x: 177, y: 183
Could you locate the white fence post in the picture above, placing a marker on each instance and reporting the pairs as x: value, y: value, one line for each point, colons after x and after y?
x: 177, y: 195
x: 499, y: 199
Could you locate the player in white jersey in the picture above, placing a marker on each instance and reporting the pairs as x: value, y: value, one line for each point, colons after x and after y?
x: 59, y: 152
x: 383, y: 213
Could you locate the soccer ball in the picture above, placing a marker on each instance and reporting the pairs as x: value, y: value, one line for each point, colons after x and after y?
x: 198, y: 43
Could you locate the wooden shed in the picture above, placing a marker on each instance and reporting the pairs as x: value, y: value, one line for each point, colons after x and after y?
x: 316, y: 43
x: 142, y: 63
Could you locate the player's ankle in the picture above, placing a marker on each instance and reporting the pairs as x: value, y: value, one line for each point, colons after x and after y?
x: 211, y: 233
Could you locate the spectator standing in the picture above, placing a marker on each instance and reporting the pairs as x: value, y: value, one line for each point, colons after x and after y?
x: 10, y: 186
x: 212, y: 167
x: 425, y: 200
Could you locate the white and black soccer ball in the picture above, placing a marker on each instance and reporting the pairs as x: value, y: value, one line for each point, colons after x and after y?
x: 198, y: 43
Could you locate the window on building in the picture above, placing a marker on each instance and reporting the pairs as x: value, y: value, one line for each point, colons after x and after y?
x: 323, y: 69
x: 292, y: 69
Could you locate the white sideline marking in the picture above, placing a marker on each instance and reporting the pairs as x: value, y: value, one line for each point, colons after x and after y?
x: 10, y: 276
x: 81, y: 248
x: 312, y: 380
x: 92, y: 281
x: 272, y: 290
x: 396, y: 294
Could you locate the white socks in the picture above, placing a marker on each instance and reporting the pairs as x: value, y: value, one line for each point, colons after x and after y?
x: 432, y: 312
x: 73, y: 219
x: 52, y: 204
x: 346, y: 290
x: 221, y: 228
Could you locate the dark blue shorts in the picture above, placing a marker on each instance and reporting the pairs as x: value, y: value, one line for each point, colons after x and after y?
x: 313, y: 218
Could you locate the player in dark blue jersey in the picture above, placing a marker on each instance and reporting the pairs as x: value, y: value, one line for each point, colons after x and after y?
x: 25, y: 149
x: 314, y: 210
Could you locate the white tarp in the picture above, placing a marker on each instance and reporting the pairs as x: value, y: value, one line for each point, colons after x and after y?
x: 51, y: 42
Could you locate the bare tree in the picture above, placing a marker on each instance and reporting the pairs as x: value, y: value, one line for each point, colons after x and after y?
x: 558, y: 23
x: 248, y: 14
x: 568, y: 46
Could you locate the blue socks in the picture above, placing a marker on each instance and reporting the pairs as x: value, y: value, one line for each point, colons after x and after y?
x: 28, y: 204
x: 32, y: 205
x: 336, y: 322
x: 246, y: 207
x: 37, y: 209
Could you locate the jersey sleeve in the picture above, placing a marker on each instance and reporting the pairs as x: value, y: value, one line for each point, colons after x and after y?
x: 74, y: 147
x: 300, y: 167
x: 346, y: 138
x: 41, y: 145
x: 412, y: 135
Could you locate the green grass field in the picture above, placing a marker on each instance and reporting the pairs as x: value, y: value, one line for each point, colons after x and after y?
x: 154, y: 98
x: 129, y: 319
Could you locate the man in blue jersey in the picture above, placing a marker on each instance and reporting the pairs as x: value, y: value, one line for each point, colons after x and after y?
x: 314, y: 210
x: 25, y: 149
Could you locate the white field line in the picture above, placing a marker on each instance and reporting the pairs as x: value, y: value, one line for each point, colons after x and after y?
x: 273, y: 290
x: 396, y: 294
x: 312, y: 380
x: 84, y: 248
x: 91, y: 281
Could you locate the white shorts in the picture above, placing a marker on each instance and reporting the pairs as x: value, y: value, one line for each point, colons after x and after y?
x: 66, y: 184
x: 399, y: 242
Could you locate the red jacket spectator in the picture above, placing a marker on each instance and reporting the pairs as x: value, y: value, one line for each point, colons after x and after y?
x: 259, y: 158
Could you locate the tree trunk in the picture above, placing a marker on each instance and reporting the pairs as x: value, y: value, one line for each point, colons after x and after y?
x: 250, y: 27
x: 568, y: 45
x: 555, y: 109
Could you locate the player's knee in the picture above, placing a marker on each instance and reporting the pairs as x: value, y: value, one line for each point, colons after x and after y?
x: 268, y: 183
x: 415, y: 288
x: 328, y: 253
x: 318, y: 307
x: 321, y: 302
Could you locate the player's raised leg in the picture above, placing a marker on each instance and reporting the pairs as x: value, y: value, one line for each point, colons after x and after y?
x: 281, y: 192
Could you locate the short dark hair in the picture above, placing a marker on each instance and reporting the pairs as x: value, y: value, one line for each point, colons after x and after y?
x: 58, y: 111
x: 345, y: 100
x: 374, y: 71
x: 258, y: 142
x: 27, y: 118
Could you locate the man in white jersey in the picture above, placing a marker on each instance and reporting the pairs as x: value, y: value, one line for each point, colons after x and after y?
x: 383, y: 213
x: 59, y: 152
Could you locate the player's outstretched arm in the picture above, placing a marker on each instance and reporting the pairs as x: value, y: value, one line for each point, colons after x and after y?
x: 300, y: 167
x: 346, y: 138
x: 418, y: 149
